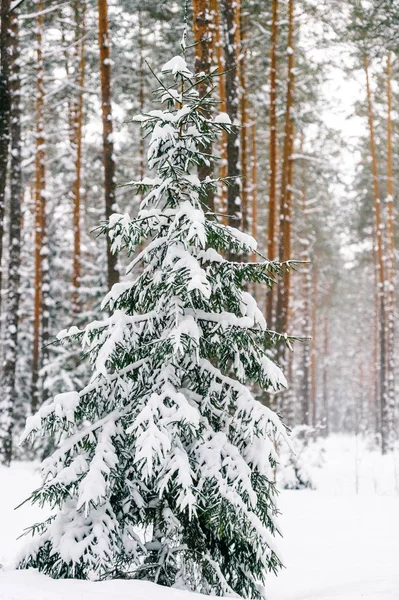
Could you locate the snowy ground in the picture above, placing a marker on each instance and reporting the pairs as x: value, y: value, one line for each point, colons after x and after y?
x: 341, y: 542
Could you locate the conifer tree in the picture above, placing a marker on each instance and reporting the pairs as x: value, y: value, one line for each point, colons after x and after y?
x: 164, y: 470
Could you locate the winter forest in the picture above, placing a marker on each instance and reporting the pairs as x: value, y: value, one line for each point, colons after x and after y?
x: 198, y: 300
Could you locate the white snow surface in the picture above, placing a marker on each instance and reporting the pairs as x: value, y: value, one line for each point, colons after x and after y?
x: 341, y: 541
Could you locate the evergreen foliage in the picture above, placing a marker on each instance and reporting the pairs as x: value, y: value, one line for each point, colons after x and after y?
x: 164, y: 467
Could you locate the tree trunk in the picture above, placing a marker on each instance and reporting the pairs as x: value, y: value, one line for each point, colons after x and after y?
x: 108, y: 144
x: 386, y: 416
x: 374, y: 407
x: 313, y: 356
x: 203, y: 64
x: 141, y: 96
x: 13, y: 294
x: 40, y: 207
x: 230, y: 12
x: 222, y: 97
x: 77, y: 145
x: 254, y: 185
x: 325, y: 376
x: 306, y: 348
x: 391, y: 255
x: 286, y: 182
x: 273, y: 156
x: 307, y: 297
x: 4, y: 116
x: 254, y: 193
x: 244, y: 132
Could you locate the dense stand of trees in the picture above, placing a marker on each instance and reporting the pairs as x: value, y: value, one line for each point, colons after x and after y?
x: 71, y: 76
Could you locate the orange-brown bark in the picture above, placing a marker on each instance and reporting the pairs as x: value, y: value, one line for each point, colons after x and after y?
x: 380, y: 279
x: 273, y: 154
x: 391, y: 247
x: 40, y: 206
x: 286, y: 181
x: 244, y: 131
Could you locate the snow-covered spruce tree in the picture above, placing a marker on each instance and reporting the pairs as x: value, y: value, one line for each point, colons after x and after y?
x: 164, y: 465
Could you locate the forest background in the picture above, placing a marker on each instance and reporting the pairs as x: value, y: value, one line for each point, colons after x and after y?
x: 313, y: 87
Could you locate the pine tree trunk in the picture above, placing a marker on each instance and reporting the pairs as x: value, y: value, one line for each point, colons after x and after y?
x: 108, y: 144
x: 254, y: 193
x: 141, y: 96
x: 307, y: 296
x: 4, y: 116
x: 223, y: 108
x: 306, y: 347
x: 77, y: 145
x: 254, y: 184
x: 386, y: 416
x: 325, y: 376
x: 391, y: 254
x: 203, y: 64
x: 313, y: 355
x: 40, y: 207
x: 8, y: 399
x: 244, y: 132
x: 230, y: 14
x: 283, y: 298
x: 375, y: 409
x: 273, y: 156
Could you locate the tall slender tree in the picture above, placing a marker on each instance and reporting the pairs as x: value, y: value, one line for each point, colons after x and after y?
x: 108, y: 141
x: 230, y: 10
x: 8, y: 400
x: 273, y: 154
x: 313, y: 354
x: 254, y: 182
x: 244, y: 131
x: 287, y: 177
x: 203, y: 63
x: 77, y: 124
x: 386, y: 413
x: 4, y: 114
x: 390, y: 277
x: 40, y: 254
x: 218, y: 51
